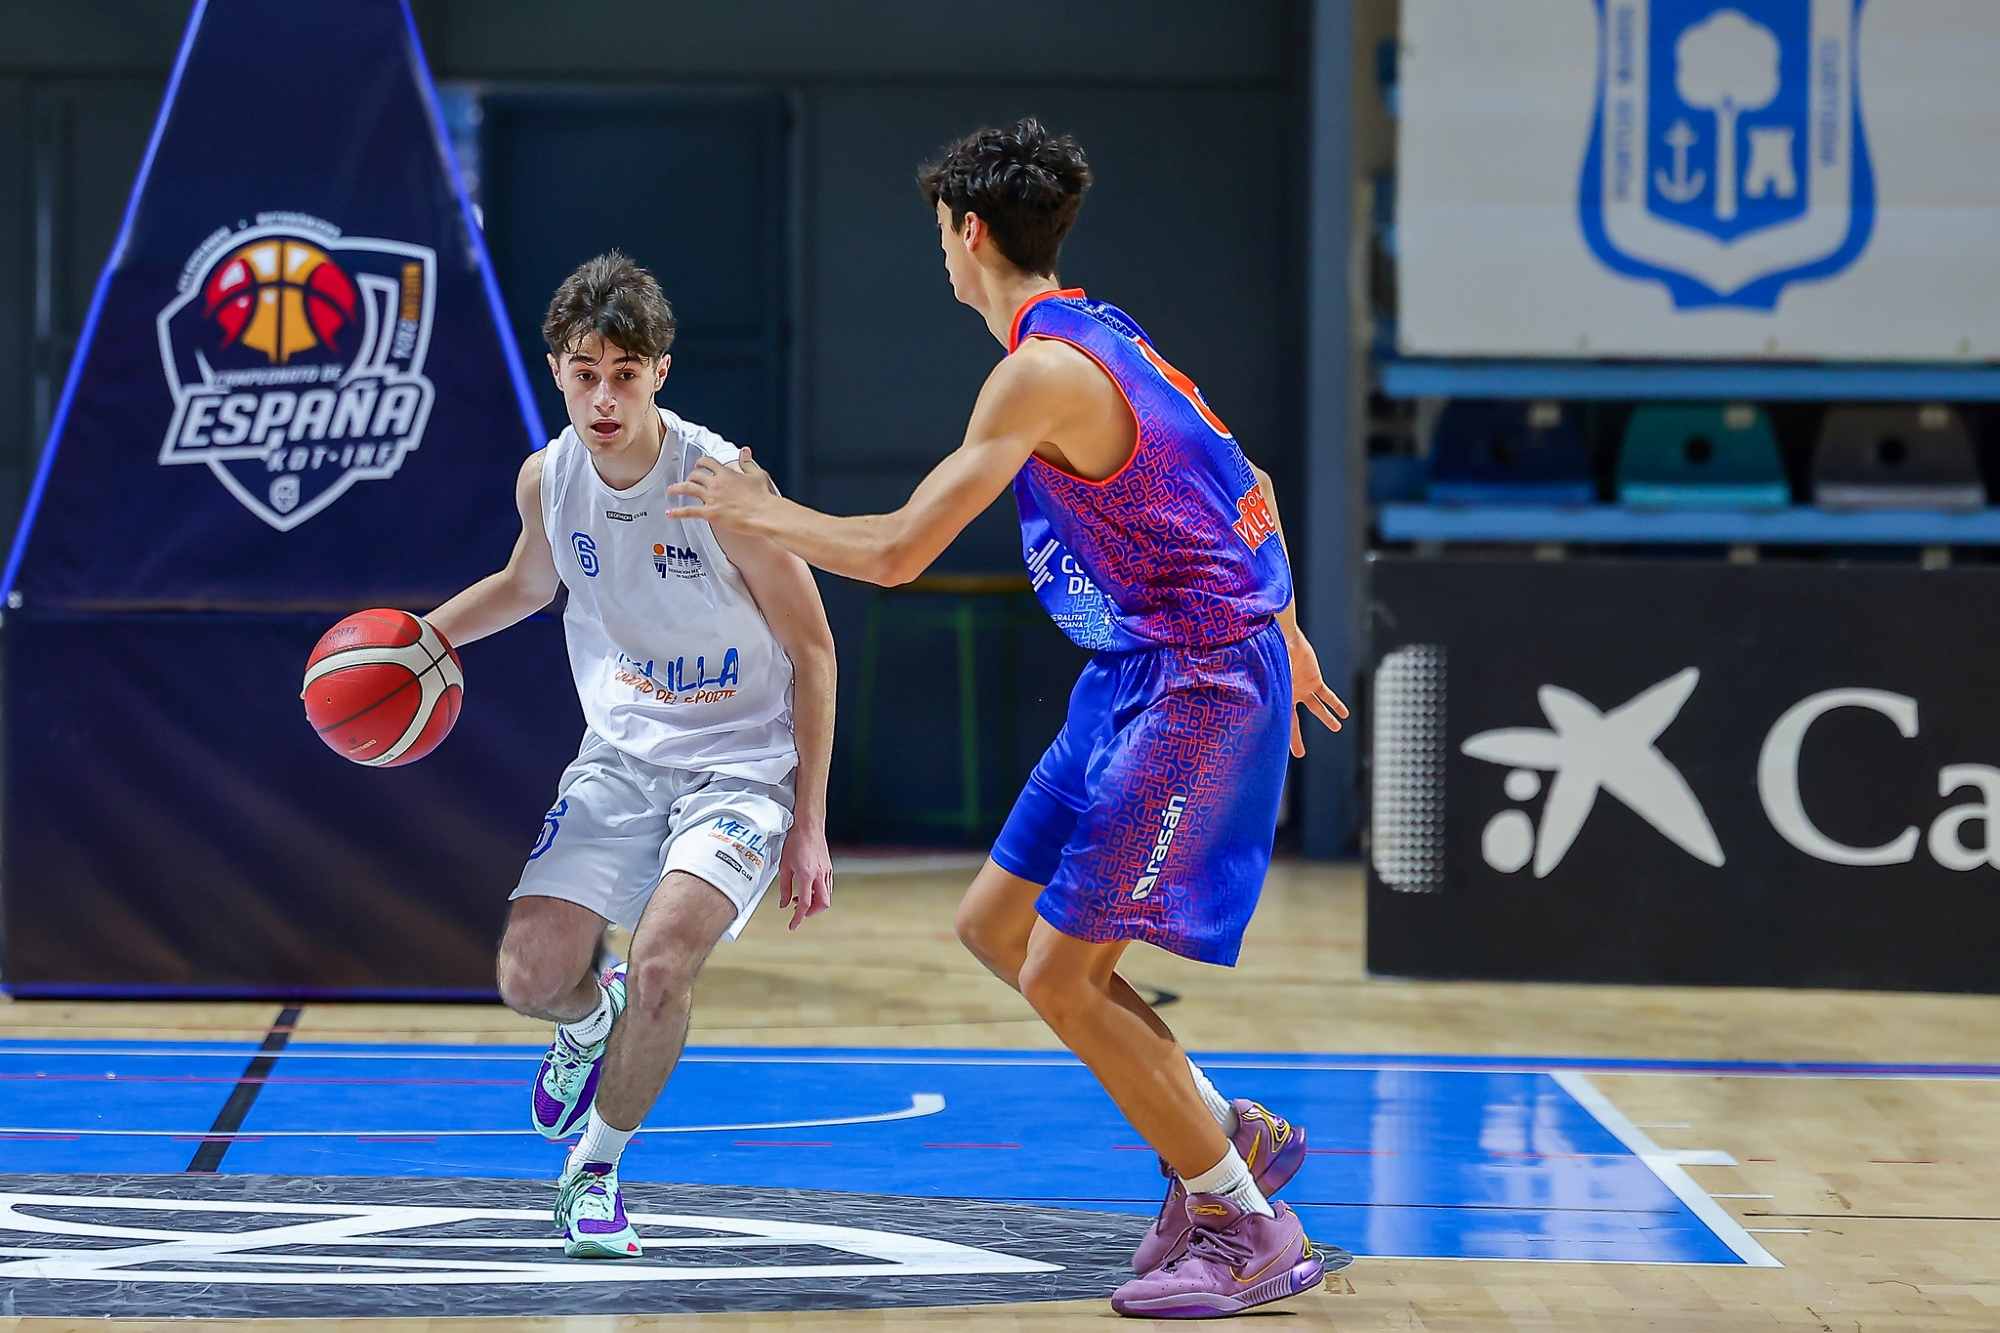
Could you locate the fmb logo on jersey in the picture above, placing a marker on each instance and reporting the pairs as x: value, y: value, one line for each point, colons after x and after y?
x: 1728, y: 157
x: 295, y: 356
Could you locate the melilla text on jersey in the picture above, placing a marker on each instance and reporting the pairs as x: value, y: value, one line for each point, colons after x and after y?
x: 673, y: 683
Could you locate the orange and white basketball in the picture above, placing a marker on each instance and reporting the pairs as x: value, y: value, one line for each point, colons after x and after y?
x: 383, y: 688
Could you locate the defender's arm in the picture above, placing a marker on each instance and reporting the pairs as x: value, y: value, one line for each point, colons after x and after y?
x: 1022, y: 404
x: 525, y: 586
x: 1309, y: 687
x: 789, y: 600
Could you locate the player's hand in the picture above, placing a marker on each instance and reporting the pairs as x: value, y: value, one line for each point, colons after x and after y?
x: 805, y: 874
x: 727, y: 495
x: 1310, y: 688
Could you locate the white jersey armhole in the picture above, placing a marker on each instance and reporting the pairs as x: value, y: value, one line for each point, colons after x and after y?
x: 697, y: 440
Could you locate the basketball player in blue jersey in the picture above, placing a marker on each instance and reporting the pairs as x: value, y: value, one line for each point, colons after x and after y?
x: 1152, y: 540
x: 705, y: 670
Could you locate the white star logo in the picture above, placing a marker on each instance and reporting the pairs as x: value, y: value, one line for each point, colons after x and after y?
x: 1588, y: 750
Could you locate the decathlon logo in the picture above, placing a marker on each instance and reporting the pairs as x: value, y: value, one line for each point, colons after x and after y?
x: 295, y: 356
x: 1728, y: 158
x: 1590, y: 751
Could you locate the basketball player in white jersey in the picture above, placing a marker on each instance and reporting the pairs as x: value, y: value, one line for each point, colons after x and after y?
x: 706, y: 672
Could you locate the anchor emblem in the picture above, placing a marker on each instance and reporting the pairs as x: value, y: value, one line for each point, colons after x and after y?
x: 1680, y: 187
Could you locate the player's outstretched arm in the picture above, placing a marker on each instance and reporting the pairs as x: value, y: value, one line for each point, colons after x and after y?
x: 525, y: 586
x: 1023, y: 403
x: 1309, y: 687
x: 789, y: 600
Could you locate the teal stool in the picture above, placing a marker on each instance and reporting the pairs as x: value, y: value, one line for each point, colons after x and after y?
x: 963, y: 604
x: 1701, y: 456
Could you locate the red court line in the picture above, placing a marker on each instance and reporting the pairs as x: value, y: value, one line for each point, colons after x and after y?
x: 1352, y: 1152
x: 217, y: 1078
x: 54, y: 1138
x: 1913, y: 1161
x: 972, y: 1145
x: 1551, y: 1156
x: 377, y: 1138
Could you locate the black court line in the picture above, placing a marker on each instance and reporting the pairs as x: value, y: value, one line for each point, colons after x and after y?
x: 208, y: 1157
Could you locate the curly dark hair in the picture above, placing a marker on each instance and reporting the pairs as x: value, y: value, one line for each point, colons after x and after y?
x: 615, y: 299
x: 1025, y: 184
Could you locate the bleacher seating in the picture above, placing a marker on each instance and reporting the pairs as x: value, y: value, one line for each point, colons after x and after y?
x: 1896, y: 457
x: 1701, y: 456
x: 1509, y: 453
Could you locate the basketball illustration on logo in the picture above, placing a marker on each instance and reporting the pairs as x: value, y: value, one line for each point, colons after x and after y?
x: 296, y: 356
x: 280, y: 297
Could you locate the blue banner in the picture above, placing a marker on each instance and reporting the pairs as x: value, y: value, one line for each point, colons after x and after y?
x: 296, y: 385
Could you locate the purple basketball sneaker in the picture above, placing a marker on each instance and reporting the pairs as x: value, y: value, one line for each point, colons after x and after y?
x: 1271, y: 1146
x: 590, y: 1208
x: 1232, y: 1261
x: 567, y: 1083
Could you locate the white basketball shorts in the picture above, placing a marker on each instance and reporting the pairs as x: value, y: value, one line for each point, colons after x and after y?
x: 620, y: 824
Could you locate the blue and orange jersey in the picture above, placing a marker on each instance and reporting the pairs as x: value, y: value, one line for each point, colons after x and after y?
x: 1178, y: 547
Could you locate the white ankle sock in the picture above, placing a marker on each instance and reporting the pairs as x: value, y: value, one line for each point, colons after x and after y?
x: 600, y: 1142
x: 1229, y: 1177
x: 590, y: 1030
x: 1218, y: 1106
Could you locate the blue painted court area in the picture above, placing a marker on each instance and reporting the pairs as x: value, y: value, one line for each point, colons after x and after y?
x: 1406, y: 1160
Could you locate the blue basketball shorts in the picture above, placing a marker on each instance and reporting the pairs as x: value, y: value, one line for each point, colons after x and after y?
x: 1151, y: 816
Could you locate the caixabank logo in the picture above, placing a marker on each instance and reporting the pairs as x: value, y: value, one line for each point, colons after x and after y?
x: 296, y: 355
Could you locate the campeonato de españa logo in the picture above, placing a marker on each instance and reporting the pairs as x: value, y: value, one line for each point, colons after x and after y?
x: 295, y: 355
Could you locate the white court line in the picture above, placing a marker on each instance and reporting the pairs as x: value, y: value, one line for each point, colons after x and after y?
x: 921, y: 1104
x: 1670, y: 1167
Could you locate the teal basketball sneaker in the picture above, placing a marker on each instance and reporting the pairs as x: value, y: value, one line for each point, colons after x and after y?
x: 590, y: 1209
x: 567, y: 1083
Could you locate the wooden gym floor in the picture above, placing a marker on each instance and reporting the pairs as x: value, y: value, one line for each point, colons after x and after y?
x: 1880, y: 1196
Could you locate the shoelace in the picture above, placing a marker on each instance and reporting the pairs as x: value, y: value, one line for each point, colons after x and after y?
x: 572, y: 1066
x: 1227, y: 1248
x: 576, y: 1194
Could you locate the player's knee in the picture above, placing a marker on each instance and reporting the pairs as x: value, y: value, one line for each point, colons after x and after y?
x: 978, y: 933
x: 1057, y: 993
x: 658, y: 985
x: 529, y: 985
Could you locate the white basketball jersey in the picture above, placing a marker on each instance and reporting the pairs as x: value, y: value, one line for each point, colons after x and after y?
x: 674, y: 664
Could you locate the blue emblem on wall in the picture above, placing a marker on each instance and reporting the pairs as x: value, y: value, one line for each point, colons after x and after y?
x: 1728, y: 158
